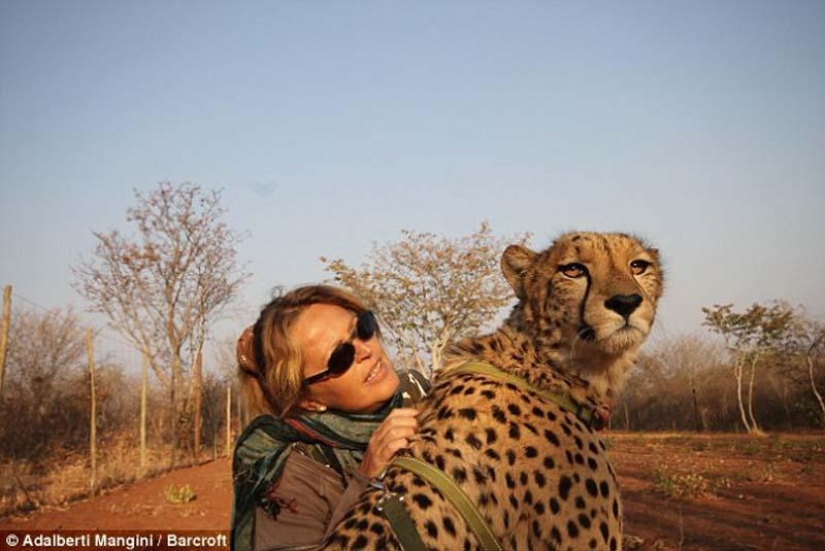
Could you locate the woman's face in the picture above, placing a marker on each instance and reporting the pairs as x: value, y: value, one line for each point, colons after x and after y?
x: 365, y: 386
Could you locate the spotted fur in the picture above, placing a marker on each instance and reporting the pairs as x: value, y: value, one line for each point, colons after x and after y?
x: 538, y: 474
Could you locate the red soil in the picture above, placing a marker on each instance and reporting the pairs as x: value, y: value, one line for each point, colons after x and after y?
x: 745, y: 494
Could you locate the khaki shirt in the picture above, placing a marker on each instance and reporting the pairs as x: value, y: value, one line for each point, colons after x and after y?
x: 313, y: 500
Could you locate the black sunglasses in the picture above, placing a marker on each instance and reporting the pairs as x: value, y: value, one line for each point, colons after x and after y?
x: 343, y: 356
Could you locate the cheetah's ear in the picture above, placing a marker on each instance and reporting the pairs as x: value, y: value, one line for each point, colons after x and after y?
x: 514, y: 262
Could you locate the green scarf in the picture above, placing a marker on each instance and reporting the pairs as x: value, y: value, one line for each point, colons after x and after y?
x: 264, y: 445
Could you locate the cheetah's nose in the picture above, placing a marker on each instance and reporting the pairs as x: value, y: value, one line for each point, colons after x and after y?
x: 624, y: 304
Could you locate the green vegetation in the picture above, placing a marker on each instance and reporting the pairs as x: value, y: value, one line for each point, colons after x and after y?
x: 690, y: 485
x: 179, y: 494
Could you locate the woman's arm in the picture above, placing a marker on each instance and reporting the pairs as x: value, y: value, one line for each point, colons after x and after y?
x: 349, y: 498
x: 391, y: 435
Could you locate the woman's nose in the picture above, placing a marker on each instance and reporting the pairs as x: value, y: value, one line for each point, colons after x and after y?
x: 362, y: 350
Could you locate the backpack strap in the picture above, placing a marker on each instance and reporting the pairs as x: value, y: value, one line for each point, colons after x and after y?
x: 322, y: 453
x: 392, y: 507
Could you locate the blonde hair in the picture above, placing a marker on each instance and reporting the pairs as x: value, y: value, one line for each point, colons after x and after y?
x: 269, y: 359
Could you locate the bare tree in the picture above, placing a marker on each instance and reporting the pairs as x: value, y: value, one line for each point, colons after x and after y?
x: 44, y: 348
x: 750, y: 336
x: 690, y: 359
x: 45, y: 360
x: 162, y: 288
x: 430, y: 290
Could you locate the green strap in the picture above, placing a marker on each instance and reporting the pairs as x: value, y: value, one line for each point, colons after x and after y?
x: 586, y: 415
x: 454, y: 495
x: 401, y: 523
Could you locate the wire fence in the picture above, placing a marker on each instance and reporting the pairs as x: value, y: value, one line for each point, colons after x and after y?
x: 54, y: 449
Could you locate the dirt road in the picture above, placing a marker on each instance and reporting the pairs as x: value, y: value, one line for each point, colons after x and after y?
x: 143, y: 505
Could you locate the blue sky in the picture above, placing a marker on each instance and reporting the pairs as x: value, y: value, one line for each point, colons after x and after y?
x: 334, y: 125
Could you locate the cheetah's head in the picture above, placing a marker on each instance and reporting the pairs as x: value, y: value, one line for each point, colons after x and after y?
x: 591, y: 296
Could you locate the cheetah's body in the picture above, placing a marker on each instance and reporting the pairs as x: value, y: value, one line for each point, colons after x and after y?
x: 539, y: 476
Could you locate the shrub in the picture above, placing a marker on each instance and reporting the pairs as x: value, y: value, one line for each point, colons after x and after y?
x: 179, y: 494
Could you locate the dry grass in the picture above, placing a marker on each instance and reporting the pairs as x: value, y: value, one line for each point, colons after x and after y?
x: 69, y: 479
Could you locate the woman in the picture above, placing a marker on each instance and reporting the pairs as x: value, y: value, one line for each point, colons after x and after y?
x: 330, y: 417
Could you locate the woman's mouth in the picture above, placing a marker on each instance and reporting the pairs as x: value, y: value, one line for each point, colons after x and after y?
x: 376, y: 373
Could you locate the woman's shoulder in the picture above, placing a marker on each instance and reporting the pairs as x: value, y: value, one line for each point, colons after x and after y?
x: 263, y: 427
x: 265, y: 436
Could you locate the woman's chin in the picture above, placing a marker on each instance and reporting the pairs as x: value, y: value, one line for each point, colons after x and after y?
x: 383, y: 387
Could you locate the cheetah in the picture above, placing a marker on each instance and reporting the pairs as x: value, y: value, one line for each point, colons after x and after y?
x: 537, y: 472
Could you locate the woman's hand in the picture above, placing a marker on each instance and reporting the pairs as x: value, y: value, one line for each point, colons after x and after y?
x: 391, y: 435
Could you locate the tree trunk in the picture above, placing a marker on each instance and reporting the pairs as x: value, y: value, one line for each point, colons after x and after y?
x: 144, y: 389
x: 229, y: 420
x: 626, y: 418
x: 4, y: 334
x: 700, y: 427
x: 785, y: 406
x: 92, y: 415
x: 738, y: 368
x: 818, y: 396
x: 754, y: 425
x: 423, y: 369
x: 725, y: 409
x: 435, y: 356
x: 437, y: 351
x: 175, y: 403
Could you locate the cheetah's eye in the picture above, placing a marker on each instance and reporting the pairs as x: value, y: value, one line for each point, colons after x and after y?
x: 573, y: 270
x: 638, y: 267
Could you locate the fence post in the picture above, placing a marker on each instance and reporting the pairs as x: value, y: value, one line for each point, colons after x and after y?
x: 196, y: 418
x: 4, y: 333
x: 144, y: 383
x: 228, y: 419
x: 93, y: 415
